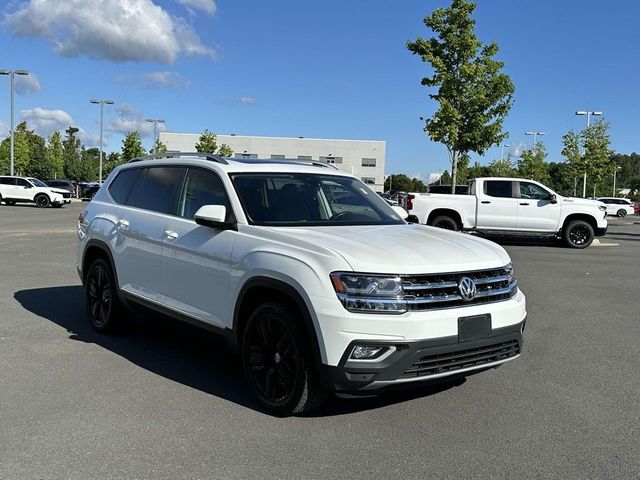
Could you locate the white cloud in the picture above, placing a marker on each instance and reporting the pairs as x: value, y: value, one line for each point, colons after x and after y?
x: 433, y: 177
x: 129, y: 119
x: 517, y: 148
x: 45, y: 122
x: 116, y: 30
x: 247, y: 101
x: 27, y: 83
x: 170, y: 80
x: 230, y: 101
x: 207, y: 6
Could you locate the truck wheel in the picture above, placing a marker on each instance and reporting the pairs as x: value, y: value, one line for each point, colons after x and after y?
x: 445, y: 222
x: 42, y: 201
x: 578, y: 234
x: 101, y: 298
x: 622, y: 213
x: 277, y: 362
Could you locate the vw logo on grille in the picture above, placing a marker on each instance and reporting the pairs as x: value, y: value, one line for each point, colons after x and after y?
x: 467, y: 289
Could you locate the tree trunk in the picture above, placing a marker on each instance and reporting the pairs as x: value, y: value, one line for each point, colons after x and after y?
x: 454, y: 171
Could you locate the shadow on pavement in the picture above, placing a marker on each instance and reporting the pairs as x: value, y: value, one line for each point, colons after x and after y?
x: 183, y: 353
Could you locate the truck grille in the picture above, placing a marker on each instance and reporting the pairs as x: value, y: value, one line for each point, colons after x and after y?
x: 427, y: 292
x: 472, y: 357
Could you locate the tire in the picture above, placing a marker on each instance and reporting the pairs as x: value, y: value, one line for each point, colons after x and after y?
x: 578, y: 234
x: 42, y: 201
x: 277, y: 363
x: 621, y: 213
x: 11, y: 203
x: 445, y: 222
x: 104, y: 309
x: 57, y: 205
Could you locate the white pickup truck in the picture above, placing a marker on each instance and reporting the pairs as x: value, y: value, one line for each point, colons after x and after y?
x: 512, y: 206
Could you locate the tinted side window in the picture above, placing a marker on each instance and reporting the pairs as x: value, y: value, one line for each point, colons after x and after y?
x: 7, y: 181
x: 202, y: 187
x: 533, y: 191
x: 498, y: 188
x: 21, y: 182
x: 157, y: 189
x: 121, y: 185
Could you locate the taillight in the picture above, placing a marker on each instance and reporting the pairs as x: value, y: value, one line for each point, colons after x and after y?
x: 81, y: 217
x: 410, y: 201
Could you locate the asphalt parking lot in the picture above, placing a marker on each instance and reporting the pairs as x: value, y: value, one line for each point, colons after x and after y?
x: 164, y: 400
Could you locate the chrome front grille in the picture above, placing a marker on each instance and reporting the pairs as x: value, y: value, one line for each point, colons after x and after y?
x: 427, y: 292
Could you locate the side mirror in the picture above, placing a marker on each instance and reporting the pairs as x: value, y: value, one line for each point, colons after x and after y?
x: 401, y: 212
x: 28, y: 186
x: 553, y: 199
x: 412, y: 219
x: 213, y: 216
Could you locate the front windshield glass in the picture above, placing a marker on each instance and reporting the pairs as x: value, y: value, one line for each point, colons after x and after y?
x: 296, y: 199
x: 37, y: 183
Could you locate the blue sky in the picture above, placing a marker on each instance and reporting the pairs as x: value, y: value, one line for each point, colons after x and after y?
x: 334, y: 69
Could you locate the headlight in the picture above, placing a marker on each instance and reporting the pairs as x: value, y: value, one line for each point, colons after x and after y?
x: 368, y: 293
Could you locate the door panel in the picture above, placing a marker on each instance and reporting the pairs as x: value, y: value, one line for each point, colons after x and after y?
x: 535, y: 210
x: 497, y: 208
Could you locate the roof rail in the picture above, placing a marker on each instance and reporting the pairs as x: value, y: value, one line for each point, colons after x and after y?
x: 159, y: 156
x: 285, y: 161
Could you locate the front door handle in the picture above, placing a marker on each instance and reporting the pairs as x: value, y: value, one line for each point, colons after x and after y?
x: 123, y: 224
x: 485, y: 201
x: 524, y: 204
x: 170, y: 234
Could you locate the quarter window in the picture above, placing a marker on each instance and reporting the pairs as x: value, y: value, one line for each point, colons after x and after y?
x: 498, y: 188
x: 157, y: 189
x: 121, y: 185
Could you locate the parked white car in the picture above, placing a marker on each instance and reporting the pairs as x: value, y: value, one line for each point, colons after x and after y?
x: 316, y: 280
x: 15, y: 189
x: 620, y: 207
x: 512, y: 206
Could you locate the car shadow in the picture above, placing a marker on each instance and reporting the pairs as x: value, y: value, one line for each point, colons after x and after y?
x: 524, y: 241
x: 183, y: 353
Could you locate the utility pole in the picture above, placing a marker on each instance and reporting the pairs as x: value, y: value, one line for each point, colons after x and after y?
x: 155, y: 130
x: 588, y: 114
x: 102, y: 104
x: 12, y: 74
x: 535, y: 135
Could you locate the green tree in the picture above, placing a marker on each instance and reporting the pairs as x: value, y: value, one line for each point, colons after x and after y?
x: 532, y: 164
x: 474, y: 95
x: 478, y: 170
x: 21, y: 154
x: 445, y: 178
x: 55, y: 155
x: 72, y: 150
x: 110, y: 162
x: 39, y: 166
x: 132, y: 146
x: 398, y: 183
x: 501, y: 168
x: 5, y: 156
x: 208, y: 143
x: 159, y: 147
x: 562, y: 178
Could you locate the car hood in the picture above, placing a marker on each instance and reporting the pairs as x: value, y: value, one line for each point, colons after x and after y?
x: 401, y: 249
x: 58, y: 190
x: 582, y: 202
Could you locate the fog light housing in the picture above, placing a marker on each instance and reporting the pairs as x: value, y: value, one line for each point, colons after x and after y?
x: 367, y: 352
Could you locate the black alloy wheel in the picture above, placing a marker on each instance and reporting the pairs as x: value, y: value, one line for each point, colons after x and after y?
x: 103, y: 307
x: 11, y: 203
x: 622, y: 213
x: 444, y: 222
x: 578, y: 234
x: 42, y: 201
x: 276, y: 362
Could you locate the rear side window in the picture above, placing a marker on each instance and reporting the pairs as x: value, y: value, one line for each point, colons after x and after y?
x: 7, y: 181
x: 498, y: 188
x: 121, y: 185
x: 157, y: 189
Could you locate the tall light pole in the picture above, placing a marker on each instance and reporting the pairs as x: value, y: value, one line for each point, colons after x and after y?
x: 588, y: 114
x: 535, y: 135
x: 11, y: 74
x: 155, y: 122
x: 615, y: 171
x: 502, y: 151
x: 102, y: 104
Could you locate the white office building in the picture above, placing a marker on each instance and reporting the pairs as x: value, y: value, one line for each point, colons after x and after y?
x: 362, y: 158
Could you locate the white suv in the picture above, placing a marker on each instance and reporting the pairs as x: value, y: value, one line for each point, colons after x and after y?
x: 31, y: 190
x: 620, y: 207
x: 320, y: 285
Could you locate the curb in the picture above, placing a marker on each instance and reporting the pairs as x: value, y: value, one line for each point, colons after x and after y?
x: 597, y: 243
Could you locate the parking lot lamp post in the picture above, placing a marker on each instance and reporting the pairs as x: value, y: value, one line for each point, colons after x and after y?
x: 11, y: 74
x: 155, y: 122
x: 502, y: 151
x: 588, y: 114
x: 101, y: 103
x: 535, y: 135
x: 615, y: 171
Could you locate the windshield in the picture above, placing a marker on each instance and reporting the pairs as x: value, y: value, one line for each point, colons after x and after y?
x: 295, y: 199
x: 36, y: 182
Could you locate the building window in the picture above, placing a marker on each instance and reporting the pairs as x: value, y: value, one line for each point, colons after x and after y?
x: 330, y: 159
x: 246, y: 155
x: 368, y: 162
x: 277, y: 157
x: 304, y: 157
x: 369, y: 180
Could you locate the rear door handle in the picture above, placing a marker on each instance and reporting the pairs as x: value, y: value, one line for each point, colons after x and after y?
x: 170, y: 234
x: 485, y: 201
x: 524, y: 204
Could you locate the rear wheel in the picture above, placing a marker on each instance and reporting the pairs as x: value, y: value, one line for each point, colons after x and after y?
x: 42, y: 201
x: 622, y: 213
x: 103, y: 306
x: 444, y: 221
x: 11, y: 203
x: 277, y: 362
x: 578, y: 234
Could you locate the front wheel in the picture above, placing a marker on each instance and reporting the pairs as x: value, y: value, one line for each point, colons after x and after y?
x: 277, y: 362
x: 622, y: 213
x: 103, y: 306
x: 578, y: 234
x: 11, y: 203
x: 445, y: 222
x: 42, y: 201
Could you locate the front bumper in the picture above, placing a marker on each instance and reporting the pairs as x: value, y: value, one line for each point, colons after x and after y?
x: 61, y: 201
x: 601, y: 231
x: 425, y: 360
